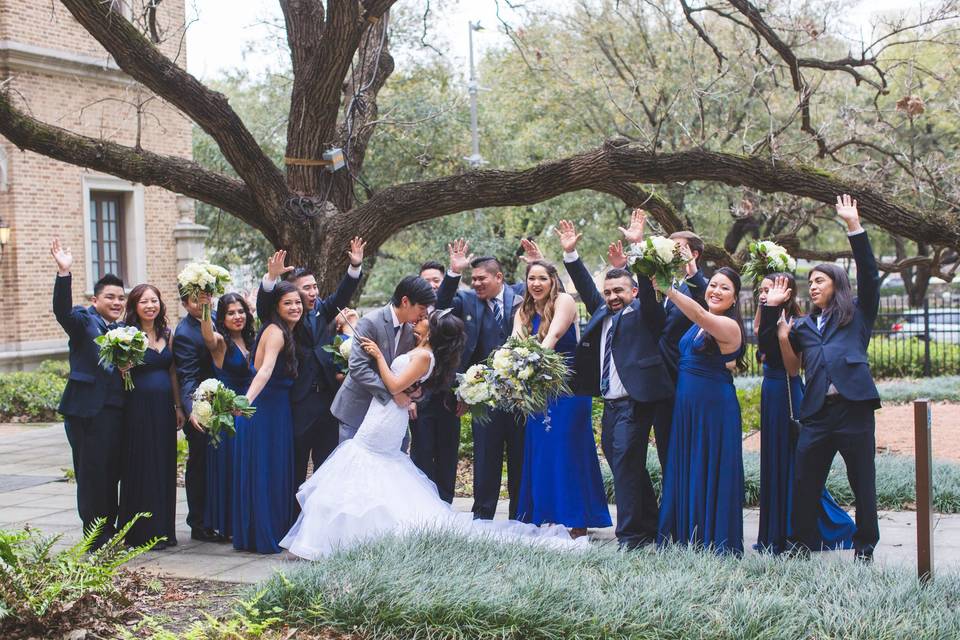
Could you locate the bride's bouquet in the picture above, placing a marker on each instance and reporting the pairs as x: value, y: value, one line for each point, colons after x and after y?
x: 203, y: 277
x: 340, y: 350
x: 659, y: 258
x: 766, y: 257
x: 214, y: 407
x: 475, y: 389
x: 122, y: 347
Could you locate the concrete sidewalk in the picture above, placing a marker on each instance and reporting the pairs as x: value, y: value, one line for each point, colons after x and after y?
x: 33, y: 491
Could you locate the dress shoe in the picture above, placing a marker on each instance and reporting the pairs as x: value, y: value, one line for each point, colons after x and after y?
x: 205, y: 535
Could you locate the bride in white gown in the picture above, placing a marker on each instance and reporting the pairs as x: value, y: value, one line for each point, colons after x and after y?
x: 369, y: 488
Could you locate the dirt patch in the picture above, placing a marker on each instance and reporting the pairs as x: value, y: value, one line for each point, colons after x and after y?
x: 895, y: 431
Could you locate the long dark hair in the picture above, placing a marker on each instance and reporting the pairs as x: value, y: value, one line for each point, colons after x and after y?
x: 447, y: 337
x: 709, y: 342
x: 841, y: 304
x: 223, y: 305
x: 133, y: 320
x: 289, y: 337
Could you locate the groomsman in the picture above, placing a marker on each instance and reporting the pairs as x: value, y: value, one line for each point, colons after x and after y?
x: 92, y: 402
x: 676, y: 324
x: 315, y: 430
x: 487, y: 313
x: 391, y: 327
x: 434, y: 424
x: 618, y: 359
x: 194, y: 365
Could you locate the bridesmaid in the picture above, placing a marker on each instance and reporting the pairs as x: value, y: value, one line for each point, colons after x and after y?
x: 561, y: 481
x: 263, y: 478
x: 229, y: 345
x: 777, y: 444
x: 152, y: 416
x: 702, y: 502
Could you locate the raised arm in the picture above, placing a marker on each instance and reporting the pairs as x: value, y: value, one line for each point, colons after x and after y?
x: 330, y: 306
x: 775, y: 326
x: 63, y: 289
x: 275, y: 271
x: 460, y: 257
x: 654, y: 315
x: 725, y: 330
x: 214, y: 342
x: 868, y: 275
x: 269, y: 347
x: 398, y: 383
x: 582, y: 281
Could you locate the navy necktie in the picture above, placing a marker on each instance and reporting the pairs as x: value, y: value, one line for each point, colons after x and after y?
x: 607, y: 359
x: 498, y: 312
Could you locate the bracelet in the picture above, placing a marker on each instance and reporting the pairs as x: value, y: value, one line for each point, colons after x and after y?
x: 176, y: 406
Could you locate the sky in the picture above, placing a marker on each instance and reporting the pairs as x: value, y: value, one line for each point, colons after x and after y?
x: 218, y: 38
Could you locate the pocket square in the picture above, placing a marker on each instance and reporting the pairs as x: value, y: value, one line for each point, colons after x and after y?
x: 586, y: 344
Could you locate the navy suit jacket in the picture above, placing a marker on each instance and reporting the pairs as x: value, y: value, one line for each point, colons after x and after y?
x: 838, y: 355
x: 315, y: 367
x: 636, y: 333
x: 471, y: 309
x: 192, y: 358
x: 90, y: 386
x: 677, y: 324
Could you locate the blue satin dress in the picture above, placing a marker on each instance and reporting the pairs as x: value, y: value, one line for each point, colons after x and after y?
x: 236, y: 375
x: 561, y: 481
x: 263, y: 468
x: 702, y: 502
x: 777, y: 453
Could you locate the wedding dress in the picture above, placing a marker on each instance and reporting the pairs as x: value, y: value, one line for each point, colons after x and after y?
x: 369, y: 488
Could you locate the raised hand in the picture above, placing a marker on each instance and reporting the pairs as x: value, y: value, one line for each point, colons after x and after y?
x: 778, y: 293
x: 634, y: 233
x: 459, y: 258
x: 784, y: 325
x: 275, y: 268
x: 567, y: 233
x: 615, y: 255
x: 62, y: 255
x: 690, y: 266
x: 357, y: 245
x: 847, y: 210
x: 531, y: 251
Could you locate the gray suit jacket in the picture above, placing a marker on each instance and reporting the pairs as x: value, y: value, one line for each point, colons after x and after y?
x: 363, y: 384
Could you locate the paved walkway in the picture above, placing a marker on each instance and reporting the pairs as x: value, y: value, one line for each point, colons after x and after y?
x: 33, y: 491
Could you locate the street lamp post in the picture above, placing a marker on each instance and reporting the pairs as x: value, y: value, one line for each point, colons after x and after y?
x: 473, y: 87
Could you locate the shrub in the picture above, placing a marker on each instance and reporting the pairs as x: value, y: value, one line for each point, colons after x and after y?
x: 903, y: 357
x: 466, y: 437
x: 896, y: 482
x: 443, y: 586
x: 59, y: 368
x: 40, y: 589
x: 749, y: 398
x: 30, y: 396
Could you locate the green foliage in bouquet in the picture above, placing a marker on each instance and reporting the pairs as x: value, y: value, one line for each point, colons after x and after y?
x: 215, y: 406
x: 203, y: 277
x: 122, y: 347
x: 766, y: 257
x: 340, y: 350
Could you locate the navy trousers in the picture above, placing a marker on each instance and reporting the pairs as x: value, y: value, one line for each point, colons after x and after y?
x: 500, y: 432
x: 435, y: 443
x: 195, y: 475
x: 97, y: 446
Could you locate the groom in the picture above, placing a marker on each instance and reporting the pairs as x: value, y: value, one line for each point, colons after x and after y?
x: 618, y: 359
x: 391, y: 328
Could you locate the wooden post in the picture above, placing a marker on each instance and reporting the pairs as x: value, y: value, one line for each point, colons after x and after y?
x: 924, y: 460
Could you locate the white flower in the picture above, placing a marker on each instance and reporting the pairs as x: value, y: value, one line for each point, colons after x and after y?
x: 202, y: 411
x: 525, y: 373
x: 475, y: 393
x: 345, y: 348
x: 664, y: 248
x: 791, y: 264
x: 209, y: 387
x: 502, y: 361
x: 523, y: 352
x: 476, y: 372
x: 771, y: 249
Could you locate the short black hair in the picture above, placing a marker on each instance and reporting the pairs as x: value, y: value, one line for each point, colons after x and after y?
x: 108, y: 280
x: 432, y: 264
x: 615, y: 273
x: 299, y: 272
x: 416, y: 290
x: 487, y: 263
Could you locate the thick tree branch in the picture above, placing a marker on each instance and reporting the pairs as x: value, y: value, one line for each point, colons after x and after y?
x: 176, y: 174
x: 138, y: 57
x: 397, y: 206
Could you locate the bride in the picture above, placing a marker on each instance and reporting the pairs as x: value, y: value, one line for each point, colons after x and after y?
x: 369, y: 488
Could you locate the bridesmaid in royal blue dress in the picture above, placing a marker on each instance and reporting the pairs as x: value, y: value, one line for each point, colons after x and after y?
x: 229, y: 345
x: 151, y: 416
x: 263, y: 455
x: 702, y: 502
x: 777, y: 444
x: 561, y: 481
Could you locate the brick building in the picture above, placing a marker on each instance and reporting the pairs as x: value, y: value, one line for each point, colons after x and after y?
x: 67, y: 79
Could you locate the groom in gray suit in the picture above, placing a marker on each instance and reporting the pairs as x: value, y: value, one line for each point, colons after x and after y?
x: 391, y: 327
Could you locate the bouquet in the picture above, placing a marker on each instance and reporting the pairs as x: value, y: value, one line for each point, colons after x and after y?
x: 341, y: 352
x: 203, y: 277
x: 658, y: 258
x: 520, y: 376
x: 214, y: 407
x: 123, y: 347
x: 766, y: 257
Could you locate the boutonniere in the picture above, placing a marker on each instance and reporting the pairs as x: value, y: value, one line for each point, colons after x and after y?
x: 468, y: 318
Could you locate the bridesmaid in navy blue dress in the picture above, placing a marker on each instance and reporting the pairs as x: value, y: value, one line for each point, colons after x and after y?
x: 702, y: 502
x: 152, y: 416
x: 263, y: 455
x: 778, y: 445
x: 561, y: 481
x: 229, y: 345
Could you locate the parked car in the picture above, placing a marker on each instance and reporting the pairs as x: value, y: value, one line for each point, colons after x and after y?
x: 944, y: 325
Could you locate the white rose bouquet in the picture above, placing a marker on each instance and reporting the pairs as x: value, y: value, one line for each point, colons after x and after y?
x: 203, y: 277
x: 526, y: 376
x: 659, y: 258
x: 766, y: 257
x: 475, y: 389
x: 340, y: 349
x: 214, y: 407
x: 123, y: 347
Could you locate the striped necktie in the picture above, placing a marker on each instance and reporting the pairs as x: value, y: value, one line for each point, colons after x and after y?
x: 498, y: 312
x: 607, y: 358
